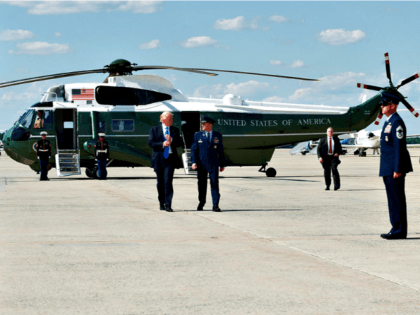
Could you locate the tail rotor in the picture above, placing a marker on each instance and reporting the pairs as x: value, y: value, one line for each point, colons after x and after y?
x: 391, y: 89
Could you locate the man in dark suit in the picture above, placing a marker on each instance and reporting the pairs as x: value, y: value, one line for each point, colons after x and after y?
x: 395, y: 164
x: 329, y: 148
x: 164, y: 139
x: 207, y: 156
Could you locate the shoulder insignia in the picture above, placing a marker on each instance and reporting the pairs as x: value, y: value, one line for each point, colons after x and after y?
x: 400, y: 132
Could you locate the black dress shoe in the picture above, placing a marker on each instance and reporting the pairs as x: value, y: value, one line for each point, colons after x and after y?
x: 217, y: 209
x: 396, y: 236
x: 169, y: 209
x: 336, y: 188
x: 162, y: 207
x: 200, y: 207
x: 327, y: 188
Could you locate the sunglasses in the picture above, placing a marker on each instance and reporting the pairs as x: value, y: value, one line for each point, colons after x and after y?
x: 386, y: 103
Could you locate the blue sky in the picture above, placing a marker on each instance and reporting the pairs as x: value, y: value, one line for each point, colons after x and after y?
x: 341, y: 43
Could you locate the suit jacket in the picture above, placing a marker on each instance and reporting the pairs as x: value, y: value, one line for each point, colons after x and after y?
x: 394, y: 153
x: 208, y: 154
x: 156, y: 139
x: 323, y: 147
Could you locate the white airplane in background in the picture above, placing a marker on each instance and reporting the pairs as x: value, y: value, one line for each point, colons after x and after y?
x: 360, y: 142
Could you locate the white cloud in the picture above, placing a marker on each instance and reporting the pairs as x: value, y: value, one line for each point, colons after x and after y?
x: 326, y: 89
x: 276, y: 62
x: 236, y: 24
x: 8, y: 35
x: 199, y: 41
x: 57, y: 34
x: 40, y: 48
x: 278, y: 19
x: 75, y: 7
x: 151, y: 45
x: 340, y: 36
x: 297, y: 64
x: 241, y: 89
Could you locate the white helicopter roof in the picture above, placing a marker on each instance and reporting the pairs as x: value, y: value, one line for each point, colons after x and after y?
x: 179, y: 102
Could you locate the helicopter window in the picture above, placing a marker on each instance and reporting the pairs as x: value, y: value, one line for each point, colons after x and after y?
x: 43, y: 120
x: 109, y: 95
x: 102, y: 126
x: 26, y: 121
x: 123, y: 125
x: 68, y: 125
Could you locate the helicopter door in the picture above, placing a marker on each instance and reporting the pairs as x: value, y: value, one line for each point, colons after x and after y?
x: 190, y: 124
x: 66, y: 128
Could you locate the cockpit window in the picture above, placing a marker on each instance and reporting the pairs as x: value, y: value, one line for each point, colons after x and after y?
x: 43, y: 119
x: 26, y: 120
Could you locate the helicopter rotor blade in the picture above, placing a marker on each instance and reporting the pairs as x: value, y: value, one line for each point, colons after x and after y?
x: 388, y: 68
x: 369, y: 87
x: 173, y: 68
x: 408, y: 80
x: 378, y: 119
x: 410, y: 108
x: 259, y: 74
x: 50, y: 77
x: 207, y: 71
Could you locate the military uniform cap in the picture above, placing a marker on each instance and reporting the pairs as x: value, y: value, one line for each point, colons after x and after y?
x: 389, y: 98
x: 207, y: 119
x: 101, y: 134
x: 43, y: 133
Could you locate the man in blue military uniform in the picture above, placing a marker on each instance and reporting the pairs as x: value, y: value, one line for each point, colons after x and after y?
x: 102, y: 155
x: 395, y: 164
x: 207, y: 155
x: 43, y: 152
x: 164, y: 139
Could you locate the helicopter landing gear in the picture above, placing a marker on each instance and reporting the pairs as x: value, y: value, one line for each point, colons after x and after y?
x: 92, y: 172
x: 270, y: 172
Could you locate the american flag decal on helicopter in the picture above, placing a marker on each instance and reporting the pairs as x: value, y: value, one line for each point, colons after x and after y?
x: 83, y: 94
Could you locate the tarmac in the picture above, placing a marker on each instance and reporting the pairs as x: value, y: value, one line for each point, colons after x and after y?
x: 281, y: 245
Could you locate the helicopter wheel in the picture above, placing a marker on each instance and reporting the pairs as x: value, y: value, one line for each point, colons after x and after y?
x: 91, y: 172
x: 271, y: 172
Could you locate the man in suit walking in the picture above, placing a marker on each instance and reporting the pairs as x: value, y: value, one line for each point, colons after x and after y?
x: 164, y: 139
x: 395, y: 164
x: 329, y: 148
x: 207, y: 156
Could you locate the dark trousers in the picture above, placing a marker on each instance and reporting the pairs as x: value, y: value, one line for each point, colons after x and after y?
x: 102, y: 169
x: 44, y: 168
x: 330, y: 163
x: 165, y: 176
x: 395, y: 190
x: 214, y: 184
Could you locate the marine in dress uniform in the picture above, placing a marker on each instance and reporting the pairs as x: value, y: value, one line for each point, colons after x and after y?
x: 102, y: 155
x: 43, y: 152
x: 395, y: 164
x: 329, y: 148
x: 207, y: 155
x: 164, y: 139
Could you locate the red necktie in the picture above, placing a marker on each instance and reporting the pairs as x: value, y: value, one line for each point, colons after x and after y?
x: 330, y: 150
